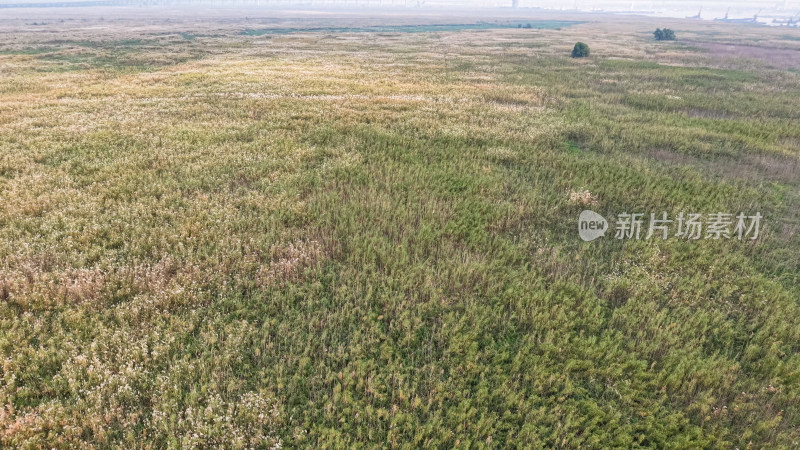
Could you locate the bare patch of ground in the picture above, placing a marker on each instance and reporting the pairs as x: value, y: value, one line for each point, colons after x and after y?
x: 792, y: 142
x: 749, y: 167
x: 781, y: 58
x: 708, y: 113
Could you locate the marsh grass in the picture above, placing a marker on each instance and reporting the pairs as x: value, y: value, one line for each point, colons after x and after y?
x: 341, y: 239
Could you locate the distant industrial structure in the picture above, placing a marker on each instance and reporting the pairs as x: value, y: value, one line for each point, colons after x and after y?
x: 696, y: 16
x: 754, y: 19
x: 790, y: 22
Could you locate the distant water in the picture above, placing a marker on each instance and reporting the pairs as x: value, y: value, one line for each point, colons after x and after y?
x: 534, y: 24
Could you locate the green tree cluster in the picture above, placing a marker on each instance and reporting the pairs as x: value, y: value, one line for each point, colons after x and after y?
x: 664, y: 35
x: 580, y: 50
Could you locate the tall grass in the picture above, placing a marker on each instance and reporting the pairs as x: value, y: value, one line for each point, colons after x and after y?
x: 309, y: 242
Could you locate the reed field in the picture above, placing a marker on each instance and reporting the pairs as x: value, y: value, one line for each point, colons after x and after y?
x: 313, y: 231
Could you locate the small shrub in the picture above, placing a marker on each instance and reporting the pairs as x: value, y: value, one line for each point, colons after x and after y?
x: 664, y: 35
x: 580, y: 50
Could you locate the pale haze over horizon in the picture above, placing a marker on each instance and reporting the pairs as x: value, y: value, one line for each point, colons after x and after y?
x: 764, y: 11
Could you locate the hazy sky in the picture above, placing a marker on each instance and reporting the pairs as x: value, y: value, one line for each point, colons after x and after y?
x: 673, y: 8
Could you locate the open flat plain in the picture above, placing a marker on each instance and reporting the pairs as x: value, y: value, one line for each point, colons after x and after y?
x: 265, y: 228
